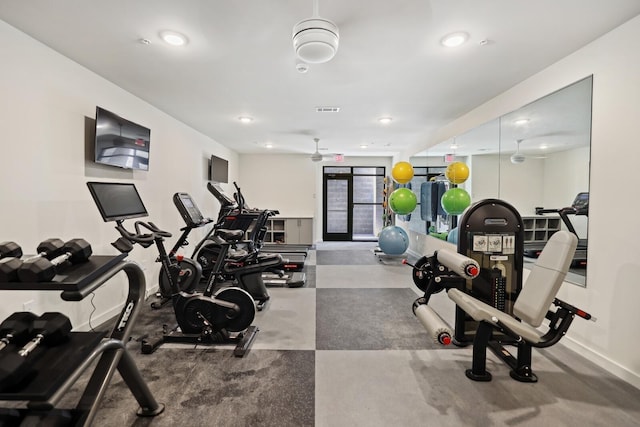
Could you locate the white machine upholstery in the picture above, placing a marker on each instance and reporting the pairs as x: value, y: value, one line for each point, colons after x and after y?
x: 536, y: 295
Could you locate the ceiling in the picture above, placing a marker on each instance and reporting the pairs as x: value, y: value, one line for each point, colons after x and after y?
x: 239, y: 61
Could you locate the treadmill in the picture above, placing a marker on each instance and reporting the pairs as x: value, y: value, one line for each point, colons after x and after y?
x: 579, y: 207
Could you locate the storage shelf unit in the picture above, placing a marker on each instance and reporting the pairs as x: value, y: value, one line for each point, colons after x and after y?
x: 539, y: 228
x: 289, y: 230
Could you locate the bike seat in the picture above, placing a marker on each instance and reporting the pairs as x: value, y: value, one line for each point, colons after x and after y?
x: 230, y: 235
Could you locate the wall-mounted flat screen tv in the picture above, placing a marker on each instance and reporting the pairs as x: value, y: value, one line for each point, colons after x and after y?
x: 219, y: 170
x: 120, y: 142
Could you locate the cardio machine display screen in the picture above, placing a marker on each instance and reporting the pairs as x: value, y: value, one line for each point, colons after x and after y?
x: 117, y: 201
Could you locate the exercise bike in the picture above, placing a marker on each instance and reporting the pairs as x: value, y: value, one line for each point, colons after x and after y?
x: 221, y: 313
x: 240, y: 265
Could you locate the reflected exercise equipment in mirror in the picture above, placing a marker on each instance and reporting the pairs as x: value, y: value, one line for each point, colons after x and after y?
x: 537, y: 159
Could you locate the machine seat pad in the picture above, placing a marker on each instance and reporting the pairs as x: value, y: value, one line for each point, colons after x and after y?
x: 480, y: 311
x: 230, y: 235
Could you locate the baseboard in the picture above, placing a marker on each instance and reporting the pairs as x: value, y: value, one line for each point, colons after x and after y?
x: 604, y: 362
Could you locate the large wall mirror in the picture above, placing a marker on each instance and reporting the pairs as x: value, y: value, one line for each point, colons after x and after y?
x: 537, y: 159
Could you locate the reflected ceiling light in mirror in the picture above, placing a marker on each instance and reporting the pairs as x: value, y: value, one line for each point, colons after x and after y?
x: 173, y: 38
x: 385, y: 120
x: 454, y: 39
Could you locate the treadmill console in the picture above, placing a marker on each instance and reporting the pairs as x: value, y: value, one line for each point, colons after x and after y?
x: 581, y: 204
x: 220, y: 195
x: 188, y: 210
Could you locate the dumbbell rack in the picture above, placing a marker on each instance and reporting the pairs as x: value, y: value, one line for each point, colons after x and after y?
x: 57, y: 370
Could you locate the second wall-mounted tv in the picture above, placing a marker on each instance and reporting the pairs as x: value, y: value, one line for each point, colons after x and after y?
x: 219, y: 171
x: 121, y: 142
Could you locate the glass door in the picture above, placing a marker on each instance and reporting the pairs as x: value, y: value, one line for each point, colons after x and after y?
x: 338, y: 207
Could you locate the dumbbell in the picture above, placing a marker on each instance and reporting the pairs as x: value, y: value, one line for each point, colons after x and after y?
x: 10, y: 249
x: 9, y: 267
x: 43, y: 270
x: 49, y: 329
x: 16, y: 328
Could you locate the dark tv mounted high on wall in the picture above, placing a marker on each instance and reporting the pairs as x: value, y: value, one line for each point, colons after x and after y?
x: 219, y: 171
x: 121, y: 142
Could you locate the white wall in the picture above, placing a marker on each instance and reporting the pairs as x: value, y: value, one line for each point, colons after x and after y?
x: 612, y: 291
x: 292, y: 183
x: 279, y: 181
x: 46, y: 115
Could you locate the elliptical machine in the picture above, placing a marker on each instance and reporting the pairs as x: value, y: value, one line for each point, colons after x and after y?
x: 243, y: 267
x: 219, y: 314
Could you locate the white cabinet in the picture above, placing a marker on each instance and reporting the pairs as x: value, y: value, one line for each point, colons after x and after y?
x: 290, y: 230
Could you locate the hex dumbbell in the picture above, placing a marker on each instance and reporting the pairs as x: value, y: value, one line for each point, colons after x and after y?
x: 10, y: 249
x: 43, y: 270
x: 49, y: 329
x: 9, y: 267
x: 15, y: 328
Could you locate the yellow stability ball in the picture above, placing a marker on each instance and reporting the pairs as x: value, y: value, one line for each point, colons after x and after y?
x: 402, y: 172
x: 457, y: 172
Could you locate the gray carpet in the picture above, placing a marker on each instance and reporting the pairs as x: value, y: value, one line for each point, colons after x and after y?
x: 368, y: 319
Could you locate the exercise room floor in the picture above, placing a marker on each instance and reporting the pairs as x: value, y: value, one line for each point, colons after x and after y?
x: 346, y: 350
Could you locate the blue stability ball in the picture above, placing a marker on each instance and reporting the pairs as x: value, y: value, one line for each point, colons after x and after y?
x: 393, y: 240
x: 452, y: 237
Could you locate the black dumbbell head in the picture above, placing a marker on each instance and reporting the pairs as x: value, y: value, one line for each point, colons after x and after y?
x: 51, y: 247
x: 54, y: 327
x: 36, y: 270
x: 9, y: 269
x: 18, y: 325
x: 13, y: 370
x: 79, y: 249
x: 10, y: 249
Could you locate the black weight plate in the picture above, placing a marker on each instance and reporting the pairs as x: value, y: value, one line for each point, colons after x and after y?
x: 422, y: 273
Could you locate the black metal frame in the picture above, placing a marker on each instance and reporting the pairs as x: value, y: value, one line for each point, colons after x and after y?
x: 111, y: 353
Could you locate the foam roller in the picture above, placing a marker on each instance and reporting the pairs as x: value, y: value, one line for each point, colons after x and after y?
x: 458, y: 263
x: 433, y: 323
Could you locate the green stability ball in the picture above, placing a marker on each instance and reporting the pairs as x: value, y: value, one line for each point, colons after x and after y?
x: 455, y: 200
x: 402, y: 201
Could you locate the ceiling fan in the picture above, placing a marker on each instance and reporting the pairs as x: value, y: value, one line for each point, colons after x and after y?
x: 518, y: 157
x: 315, y: 39
x: 317, y: 156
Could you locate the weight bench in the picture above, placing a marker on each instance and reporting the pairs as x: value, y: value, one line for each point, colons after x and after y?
x: 531, y: 307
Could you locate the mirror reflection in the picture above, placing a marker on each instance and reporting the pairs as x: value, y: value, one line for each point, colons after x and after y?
x: 536, y: 158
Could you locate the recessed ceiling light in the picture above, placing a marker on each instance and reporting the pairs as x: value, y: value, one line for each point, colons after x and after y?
x: 454, y: 39
x: 543, y: 146
x: 385, y: 120
x: 245, y: 119
x: 268, y: 145
x: 363, y: 145
x: 521, y: 122
x: 173, y: 38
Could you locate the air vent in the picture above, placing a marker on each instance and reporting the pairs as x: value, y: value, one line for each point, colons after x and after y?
x: 327, y: 109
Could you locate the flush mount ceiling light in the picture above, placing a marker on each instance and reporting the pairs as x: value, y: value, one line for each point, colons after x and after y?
x: 315, y: 40
x: 454, y: 39
x: 245, y: 119
x: 385, y: 120
x: 521, y: 122
x: 173, y: 38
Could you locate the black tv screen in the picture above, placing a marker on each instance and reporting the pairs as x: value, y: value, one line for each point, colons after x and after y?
x: 219, y: 170
x: 117, y: 201
x: 120, y: 142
